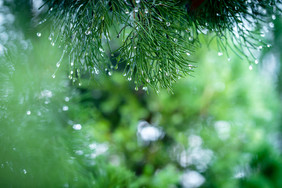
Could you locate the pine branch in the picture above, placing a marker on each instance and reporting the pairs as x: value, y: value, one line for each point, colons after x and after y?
x: 156, y: 37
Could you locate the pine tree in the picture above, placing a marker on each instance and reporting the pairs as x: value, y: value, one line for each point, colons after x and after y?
x: 156, y: 39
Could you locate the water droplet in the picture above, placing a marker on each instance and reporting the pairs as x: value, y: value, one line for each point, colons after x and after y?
x: 109, y: 73
x: 67, y: 99
x: 126, y: 11
x: 269, y: 45
x: 58, y: 65
x: 190, y: 38
x: 146, y: 11
x: 24, y: 171
x: 135, y: 9
x: 88, y: 32
x: 53, y: 76
x: 262, y: 34
x: 251, y: 67
x: 124, y: 74
x: 50, y: 38
x: 72, y: 63
x: 217, y: 14
x: 167, y: 24
x: 38, y: 34
x: 145, y: 88
x: 271, y: 24
x: 65, y: 108
x: 260, y: 47
x: 28, y: 112
x: 188, y: 54
x: 147, y: 80
x: 129, y: 78
x: 273, y: 17
x: 52, y: 43
x: 256, y: 61
x: 219, y: 53
x: 77, y: 127
x: 229, y: 59
x: 79, y: 84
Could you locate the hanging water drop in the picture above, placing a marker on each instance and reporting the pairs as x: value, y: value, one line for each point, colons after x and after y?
x: 88, y: 32
x: 38, y: 34
x: 251, y: 67
x: 58, y: 65
x: 135, y: 9
x: 273, y: 17
x: 52, y: 43
x: 188, y: 54
x: 126, y: 11
x: 271, y: 24
x: 167, y: 24
x: 146, y: 11
x: 109, y: 73
x: 24, y: 171
x: 137, y: 1
x: 72, y: 63
x: 53, y: 76
x: 28, y: 112
x: 65, y: 108
x: 129, y: 78
x: 219, y: 53
x: 256, y: 61
x: 77, y: 127
x: 145, y: 88
x: 268, y: 45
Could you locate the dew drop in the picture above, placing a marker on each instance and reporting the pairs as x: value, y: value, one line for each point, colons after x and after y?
x: 38, y: 34
x: 251, y: 67
x: 256, y: 61
x: 219, y: 53
x: 271, y: 24
x: 126, y: 11
x: 67, y: 99
x: 77, y: 127
x: 188, y: 54
x: 137, y: 1
x: 58, y: 65
x: 88, y: 32
x: 72, y: 63
x: 129, y: 78
x: 28, y: 112
x: 136, y: 88
x: 24, y: 171
x: 109, y: 73
x: 135, y: 9
x: 260, y: 47
x: 229, y: 59
x: 268, y: 45
x: 273, y: 17
x: 146, y: 11
x: 79, y: 84
x: 145, y: 88
x: 167, y: 24
x: 52, y: 43
x: 53, y: 76
x: 65, y: 108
